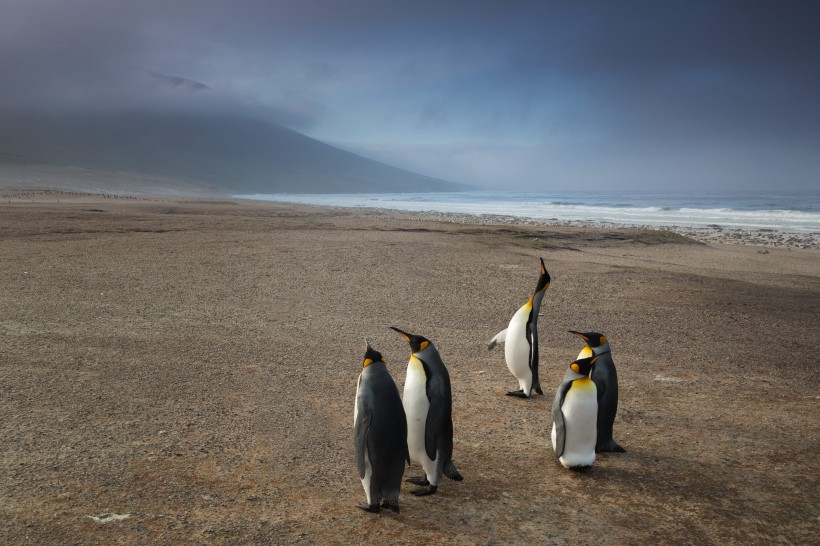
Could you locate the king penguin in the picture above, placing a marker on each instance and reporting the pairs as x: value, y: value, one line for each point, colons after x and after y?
x: 574, y: 415
x: 429, y: 408
x: 381, y: 434
x: 521, y: 340
x: 606, y: 381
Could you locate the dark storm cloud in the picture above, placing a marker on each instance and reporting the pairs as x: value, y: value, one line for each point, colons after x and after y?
x: 592, y: 86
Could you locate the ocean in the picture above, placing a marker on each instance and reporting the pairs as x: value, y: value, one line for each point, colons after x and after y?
x: 789, y: 213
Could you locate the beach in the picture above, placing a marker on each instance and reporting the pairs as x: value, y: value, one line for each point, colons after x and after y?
x: 183, y: 371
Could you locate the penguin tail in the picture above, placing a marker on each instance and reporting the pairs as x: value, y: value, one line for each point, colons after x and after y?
x: 537, y: 387
x: 451, y: 472
x: 392, y: 503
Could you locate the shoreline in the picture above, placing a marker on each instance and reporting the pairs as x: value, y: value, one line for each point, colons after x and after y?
x: 712, y: 234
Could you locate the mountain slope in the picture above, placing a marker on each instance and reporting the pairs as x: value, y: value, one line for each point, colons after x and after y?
x: 233, y: 154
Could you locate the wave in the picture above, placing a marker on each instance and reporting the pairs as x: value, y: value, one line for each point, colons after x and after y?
x: 640, y: 209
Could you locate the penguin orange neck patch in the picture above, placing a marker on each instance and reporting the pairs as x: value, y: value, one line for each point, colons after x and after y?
x: 415, y: 363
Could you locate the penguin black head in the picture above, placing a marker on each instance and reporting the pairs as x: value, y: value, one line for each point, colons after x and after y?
x: 371, y: 355
x: 543, y: 279
x: 584, y: 365
x: 417, y: 343
x: 593, y: 339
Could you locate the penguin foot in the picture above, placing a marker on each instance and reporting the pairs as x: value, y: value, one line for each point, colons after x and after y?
x: 518, y: 394
x: 418, y: 480
x: 424, y: 492
x: 580, y: 467
x: 611, y: 447
x: 451, y: 472
x: 538, y: 389
x: 393, y: 505
x: 373, y: 508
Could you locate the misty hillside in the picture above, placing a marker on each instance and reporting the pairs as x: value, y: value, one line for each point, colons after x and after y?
x: 228, y: 153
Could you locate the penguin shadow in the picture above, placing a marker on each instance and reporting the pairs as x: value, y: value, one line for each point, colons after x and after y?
x: 630, y: 470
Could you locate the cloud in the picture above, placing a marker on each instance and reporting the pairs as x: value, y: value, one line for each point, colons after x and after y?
x: 527, y: 86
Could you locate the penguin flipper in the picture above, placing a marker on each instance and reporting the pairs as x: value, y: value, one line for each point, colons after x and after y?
x: 362, y: 428
x: 439, y: 396
x: 434, y: 425
x: 499, y: 338
x: 532, y: 334
x: 558, y: 417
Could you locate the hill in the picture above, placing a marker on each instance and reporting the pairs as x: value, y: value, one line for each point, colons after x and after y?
x: 229, y: 153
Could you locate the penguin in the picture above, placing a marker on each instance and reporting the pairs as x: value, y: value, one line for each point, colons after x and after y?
x: 574, y: 415
x: 521, y: 340
x: 606, y: 381
x: 380, y: 434
x: 428, y: 405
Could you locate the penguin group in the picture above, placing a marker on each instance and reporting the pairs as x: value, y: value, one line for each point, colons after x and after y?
x: 391, y: 431
x: 417, y: 428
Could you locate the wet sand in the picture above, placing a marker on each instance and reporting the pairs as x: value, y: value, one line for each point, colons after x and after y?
x: 184, y: 372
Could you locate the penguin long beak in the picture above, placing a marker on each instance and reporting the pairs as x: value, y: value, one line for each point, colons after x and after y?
x: 417, y: 343
x: 582, y: 336
x: 543, y: 279
x: 594, y: 360
x: 405, y: 335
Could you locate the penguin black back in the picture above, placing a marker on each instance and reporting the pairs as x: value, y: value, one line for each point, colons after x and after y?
x: 380, y: 433
x: 606, y: 381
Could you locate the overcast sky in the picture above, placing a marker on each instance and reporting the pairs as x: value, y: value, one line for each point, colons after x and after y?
x: 539, y: 95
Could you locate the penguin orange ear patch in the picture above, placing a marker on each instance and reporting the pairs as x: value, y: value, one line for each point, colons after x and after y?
x: 603, y: 340
x: 575, y: 367
x: 367, y: 362
x: 424, y: 345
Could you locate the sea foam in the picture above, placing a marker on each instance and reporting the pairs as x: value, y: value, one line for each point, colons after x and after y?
x: 785, y: 213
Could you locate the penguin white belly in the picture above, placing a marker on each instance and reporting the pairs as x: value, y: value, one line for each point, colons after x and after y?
x: 356, y: 401
x: 416, y: 406
x: 580, y: 409
x: 368, y: 473
x: 517, y: 349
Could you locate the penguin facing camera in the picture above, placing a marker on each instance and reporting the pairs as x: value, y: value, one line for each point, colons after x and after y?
x: 574, y: 415
x: 428, y: 406
x: 606, y: 381
x: 380, y: 434
x: 520, y: 340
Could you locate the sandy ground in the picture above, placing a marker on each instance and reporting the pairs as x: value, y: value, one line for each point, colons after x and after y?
x: 175, y: 373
